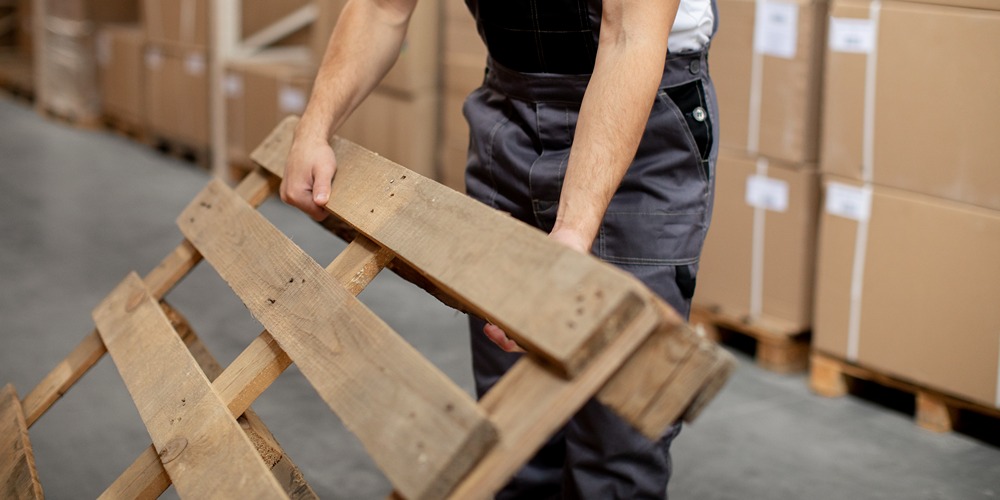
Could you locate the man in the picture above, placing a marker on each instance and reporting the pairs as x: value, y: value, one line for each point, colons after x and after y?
x: 585, y: 127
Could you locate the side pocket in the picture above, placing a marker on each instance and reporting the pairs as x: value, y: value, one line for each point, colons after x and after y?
x: 685, y: 281
x: 690, y: 100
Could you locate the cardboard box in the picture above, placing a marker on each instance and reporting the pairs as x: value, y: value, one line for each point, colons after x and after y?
x: 925, y: 279
x: 259, y: 14
x: 99, y: 11
x: 936, y: 108
x: 25, y: 27
x: 416, y: 70
x: 258, y: 96
x: 184, y: 22
x: 768, y: 76
x: 177, y: 90
x: 120, y: 52
x: 758, y: 260
x: 400, y: 127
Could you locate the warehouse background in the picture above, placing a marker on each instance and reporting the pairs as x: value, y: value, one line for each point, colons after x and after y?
x: 855, y: 236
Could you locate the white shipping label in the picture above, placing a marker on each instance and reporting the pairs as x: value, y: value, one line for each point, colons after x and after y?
x: 154, y: 58
x: 776, y: 29
x: 849, y: 202
x: 195, y: 64
x: 767, y: 193
x: 291, y: 100
x: 852, y: 35
x: 232, y: 85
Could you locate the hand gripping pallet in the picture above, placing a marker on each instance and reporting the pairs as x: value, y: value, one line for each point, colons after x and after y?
x: 590, y: 330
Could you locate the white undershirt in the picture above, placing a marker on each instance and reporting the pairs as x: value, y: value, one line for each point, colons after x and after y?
x: 692, y: 27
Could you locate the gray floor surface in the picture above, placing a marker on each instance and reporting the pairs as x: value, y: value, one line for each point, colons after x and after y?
x: 81, y: 209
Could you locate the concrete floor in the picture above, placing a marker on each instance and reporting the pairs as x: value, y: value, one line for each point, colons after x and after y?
x: 81, y: 209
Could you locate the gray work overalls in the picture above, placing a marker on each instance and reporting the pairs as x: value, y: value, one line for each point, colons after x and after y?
x: 522, y: 122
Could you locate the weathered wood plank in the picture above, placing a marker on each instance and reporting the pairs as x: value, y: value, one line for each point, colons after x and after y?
x: 255, y: 188
x: 200, y: 445
x: 530, y: 403
x: 452, y: 241
x: 668, y: 373
x: 18, y: 477
x: 248, y: 376
x: 421, y: 429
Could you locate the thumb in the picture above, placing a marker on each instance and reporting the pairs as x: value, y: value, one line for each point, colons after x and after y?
x: 321, y: 185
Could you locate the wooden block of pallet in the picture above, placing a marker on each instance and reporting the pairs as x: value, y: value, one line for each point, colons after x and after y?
x: 421, y: 428
x: 935, y: 411
x: 200, y: 445
x: 450, y: 240
x: 18, y: 477
x: 781, y: 348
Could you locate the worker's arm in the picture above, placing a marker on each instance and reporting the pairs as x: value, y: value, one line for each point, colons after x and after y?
x: 631, y: 53
x: 364, y: 45
x: 616, y: 106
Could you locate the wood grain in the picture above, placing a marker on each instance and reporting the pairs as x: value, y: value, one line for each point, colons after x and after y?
x: 253, y: 371
x: 454, y: 242
x: 18, y: 477
x: 201, y: 446
x: 421, y: 429
x: 255, y: 188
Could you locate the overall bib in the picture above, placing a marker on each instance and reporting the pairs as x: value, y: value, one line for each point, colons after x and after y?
x: 522, y: 121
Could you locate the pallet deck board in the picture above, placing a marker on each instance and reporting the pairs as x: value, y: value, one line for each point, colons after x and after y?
x: 255, y: 188
x: 453, y: 243
x: 247, y: 377
x: 18, y: 476
x: 201, y: 446
x: 363, y: 370
x: 780, y: 347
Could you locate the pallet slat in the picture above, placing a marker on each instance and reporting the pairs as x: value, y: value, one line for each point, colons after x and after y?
x: 248, y: 376
x: 200, y: 445
x: 422, y: 429
x: 436, y: 230
x: 18, y: 477
x: 255, y: 188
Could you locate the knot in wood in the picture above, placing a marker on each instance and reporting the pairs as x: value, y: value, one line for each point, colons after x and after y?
x: 173, y: 449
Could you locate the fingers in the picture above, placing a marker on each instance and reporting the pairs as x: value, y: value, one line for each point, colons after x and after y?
x: 500, y: 338
x: 309, y: 172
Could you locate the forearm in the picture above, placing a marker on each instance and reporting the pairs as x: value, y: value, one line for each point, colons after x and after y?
x: 614, y: 111
x: 362, y: 48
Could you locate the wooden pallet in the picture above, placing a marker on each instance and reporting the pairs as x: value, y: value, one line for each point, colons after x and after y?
x: 934, y: 410
x: 70, y: 118
x: 590, y: 329
x: 17, y: 76
x: 126, y: 128
x: 198, y: 155
x: 779, y: 348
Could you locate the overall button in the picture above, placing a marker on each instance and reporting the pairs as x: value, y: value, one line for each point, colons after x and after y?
x: 699, y: 114
x: 695, y: 67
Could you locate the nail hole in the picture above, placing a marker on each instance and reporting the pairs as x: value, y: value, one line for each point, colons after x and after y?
x: 271, y: 301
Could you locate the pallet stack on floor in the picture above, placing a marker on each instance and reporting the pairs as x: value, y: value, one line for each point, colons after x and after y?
x: 756, y: 273
x: 856, y: 218
x: 908, y: 274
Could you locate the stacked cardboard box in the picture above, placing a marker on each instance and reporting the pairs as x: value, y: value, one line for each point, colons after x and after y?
x: 177, y: 75
x: 399, y: 120
x: 258, y: 96
x: 464, y: 66
x: 120, y: 57
x: 66, y: 65
x: 908, y: 272
x: 759, y: 258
